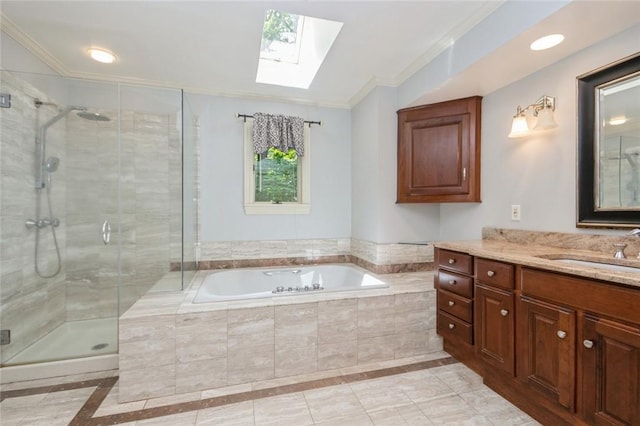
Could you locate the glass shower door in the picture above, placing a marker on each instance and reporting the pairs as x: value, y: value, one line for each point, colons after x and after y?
x: 59, y: 184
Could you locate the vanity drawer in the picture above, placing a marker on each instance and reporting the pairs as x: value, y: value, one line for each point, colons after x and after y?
x: 495, y: 273
x: 458, y: 284
x: 455, y: 305
x: 450, y: 326
x: 454, y: 261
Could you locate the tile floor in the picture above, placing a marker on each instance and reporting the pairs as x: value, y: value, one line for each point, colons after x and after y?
x: 434, y: 391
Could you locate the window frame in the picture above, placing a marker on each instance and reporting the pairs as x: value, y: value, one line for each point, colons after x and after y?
x: 252, y: 207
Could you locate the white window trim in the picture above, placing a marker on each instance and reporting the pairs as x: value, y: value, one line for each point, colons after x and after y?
x: 250, y: 205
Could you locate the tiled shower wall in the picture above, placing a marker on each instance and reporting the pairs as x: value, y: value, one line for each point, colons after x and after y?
x: 84, y: 193
x: 30, y: 306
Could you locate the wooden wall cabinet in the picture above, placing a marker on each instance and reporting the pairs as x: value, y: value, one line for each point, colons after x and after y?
x: 439, y: 152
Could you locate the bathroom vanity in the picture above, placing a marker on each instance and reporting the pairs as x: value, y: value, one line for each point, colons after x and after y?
x: 558, y: 338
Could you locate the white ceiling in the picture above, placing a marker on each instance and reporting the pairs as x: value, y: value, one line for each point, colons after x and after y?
x: 212, y: 46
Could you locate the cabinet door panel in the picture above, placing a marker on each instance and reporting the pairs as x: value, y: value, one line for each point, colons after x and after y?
x: 438, y: 155
x: 611, y: 372
x: 495, y: 327
x: 546, y: 350
x: 439, y: 152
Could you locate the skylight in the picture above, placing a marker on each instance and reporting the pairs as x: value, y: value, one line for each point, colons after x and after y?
x: 293, y: 47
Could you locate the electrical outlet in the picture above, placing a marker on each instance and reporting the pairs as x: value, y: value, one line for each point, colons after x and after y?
x: 515, y: 212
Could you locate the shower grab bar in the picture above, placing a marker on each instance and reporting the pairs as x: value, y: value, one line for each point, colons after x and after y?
x: 106, y: 232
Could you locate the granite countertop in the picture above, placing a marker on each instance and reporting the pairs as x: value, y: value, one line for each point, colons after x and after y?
x: 542, y: 257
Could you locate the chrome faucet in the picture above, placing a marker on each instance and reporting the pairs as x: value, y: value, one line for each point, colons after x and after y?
x: 635, y: 232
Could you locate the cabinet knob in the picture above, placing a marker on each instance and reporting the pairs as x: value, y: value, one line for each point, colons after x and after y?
x: 451, y: 303
x: 561, y: 334
x: 504, y: 312
x: 452, y: 261
x: 452, y: 326
x: 587, y: 343
x: 491, y: 273
x: 452, y: 282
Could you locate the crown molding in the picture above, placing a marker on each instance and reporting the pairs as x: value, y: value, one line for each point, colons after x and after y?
x: 8, y: 27
x: 448, y: 40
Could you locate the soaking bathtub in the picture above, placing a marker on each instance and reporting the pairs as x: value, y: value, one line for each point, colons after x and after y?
x: 239, y: 284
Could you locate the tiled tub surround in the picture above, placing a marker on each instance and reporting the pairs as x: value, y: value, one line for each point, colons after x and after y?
x: 170, y: 346
x: 378, y: 258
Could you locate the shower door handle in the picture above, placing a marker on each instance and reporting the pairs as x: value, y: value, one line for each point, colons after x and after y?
x: 106, y: 232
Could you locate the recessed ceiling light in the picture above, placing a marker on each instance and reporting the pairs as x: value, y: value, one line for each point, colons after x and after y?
x: 547, y: 42
x: 102, y: 55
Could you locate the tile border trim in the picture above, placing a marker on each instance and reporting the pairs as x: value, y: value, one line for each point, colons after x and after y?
x: 84, y: 417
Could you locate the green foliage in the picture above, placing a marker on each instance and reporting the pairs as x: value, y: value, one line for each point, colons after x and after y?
x: 278, y: 26
x: 276, y: 175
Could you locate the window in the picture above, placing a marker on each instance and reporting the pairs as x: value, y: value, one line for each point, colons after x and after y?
x: 276, y: 182
x: 293, y: 47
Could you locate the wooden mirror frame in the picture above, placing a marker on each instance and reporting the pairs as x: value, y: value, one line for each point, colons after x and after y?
x: 587, y: 215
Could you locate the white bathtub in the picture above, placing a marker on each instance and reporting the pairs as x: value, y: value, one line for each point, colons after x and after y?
x: 237, y: 284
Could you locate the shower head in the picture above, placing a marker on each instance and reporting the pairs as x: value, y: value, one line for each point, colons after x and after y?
x: 93, y: 116
x: 51, y: 165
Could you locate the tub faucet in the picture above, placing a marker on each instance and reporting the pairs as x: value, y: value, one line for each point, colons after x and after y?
x: 635, y: 232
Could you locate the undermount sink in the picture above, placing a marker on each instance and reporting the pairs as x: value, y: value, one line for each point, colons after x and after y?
x: 608, y: 266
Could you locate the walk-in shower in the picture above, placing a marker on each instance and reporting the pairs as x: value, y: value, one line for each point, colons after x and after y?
x: 75, y: 154
x: 45, y: 166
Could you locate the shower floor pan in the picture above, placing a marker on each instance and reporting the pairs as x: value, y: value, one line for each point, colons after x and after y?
x: 74, y: 339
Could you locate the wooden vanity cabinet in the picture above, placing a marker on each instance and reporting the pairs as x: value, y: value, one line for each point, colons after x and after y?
x: 454, y: 283
x: 579, y: 345
x: 494, y: 314
x: 610, y: 354
x: 546, y: 350
x: 439, y: 152
x: 564, y: 348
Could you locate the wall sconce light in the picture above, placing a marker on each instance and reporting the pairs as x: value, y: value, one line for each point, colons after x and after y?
x: 543, y: 112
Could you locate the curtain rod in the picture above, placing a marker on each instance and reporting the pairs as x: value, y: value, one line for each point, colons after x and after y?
x: 245, y: 116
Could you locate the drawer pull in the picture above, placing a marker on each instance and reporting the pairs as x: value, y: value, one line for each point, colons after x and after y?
x: 490, y: 273
x: 452, y: 282
x: 587, y: 343
x: 451, y: 303
x: 451, y: 326
x: 504, y: 312
x: 452, y: 261
x: 561, y: 334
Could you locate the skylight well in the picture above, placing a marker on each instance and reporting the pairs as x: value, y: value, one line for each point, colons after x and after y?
x: 293, y: 47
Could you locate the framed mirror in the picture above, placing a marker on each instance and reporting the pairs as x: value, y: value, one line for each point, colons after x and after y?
x: 609, y: 146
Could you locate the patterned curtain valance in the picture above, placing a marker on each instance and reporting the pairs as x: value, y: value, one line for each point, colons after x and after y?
x: 278, y: 131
